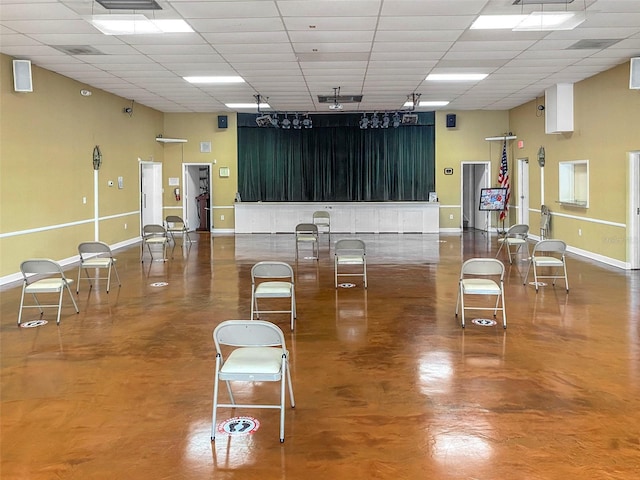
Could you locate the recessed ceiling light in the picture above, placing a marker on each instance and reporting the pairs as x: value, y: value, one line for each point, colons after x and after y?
x: 136, y: 24
x: 240, y: 106
x: 456, y: 77
x: 214, y: 80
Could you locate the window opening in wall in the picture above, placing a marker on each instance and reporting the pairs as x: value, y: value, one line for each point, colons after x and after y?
x: 573, y: 180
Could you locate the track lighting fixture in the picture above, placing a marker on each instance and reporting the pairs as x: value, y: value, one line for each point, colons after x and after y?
x: 364, y: 122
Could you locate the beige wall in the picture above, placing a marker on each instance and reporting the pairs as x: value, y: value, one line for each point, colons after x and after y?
x: 47, y: 139
x: 606, y: 128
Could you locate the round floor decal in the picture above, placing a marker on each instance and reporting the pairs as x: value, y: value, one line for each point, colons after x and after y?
x: 159, y: 284
x: 538, y: 284
x: 239, y: 426
x: 346, y: 285
x: 33, y: 323
x: 484, y: 322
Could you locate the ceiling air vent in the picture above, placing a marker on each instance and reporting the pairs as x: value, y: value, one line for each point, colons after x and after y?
x: 339, y: 98
x: 542, y: 2
x: 593, y: 44
x: 77, y: 49
x: 130, y: 4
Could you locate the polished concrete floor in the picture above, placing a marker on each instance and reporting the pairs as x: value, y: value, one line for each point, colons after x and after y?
x: 387, y: 384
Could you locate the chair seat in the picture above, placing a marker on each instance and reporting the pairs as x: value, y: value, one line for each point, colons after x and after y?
x: 45, y: 285
x: 306, y: 238
x: 273, y: 289
x: 480, y: 286
x: 97, y: 262
x: 548, y: 262
x: 264, y: 363
x: 513, y: 241
x: 156, y: 240
x: 350, y: 259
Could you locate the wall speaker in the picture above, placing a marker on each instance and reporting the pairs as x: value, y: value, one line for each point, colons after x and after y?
x: 22, y: 76
x: 451, y: 120
x: 222, y: 121
x: 634, y: 74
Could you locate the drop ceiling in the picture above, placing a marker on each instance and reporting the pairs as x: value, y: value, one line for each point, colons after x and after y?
x: 292, y: 51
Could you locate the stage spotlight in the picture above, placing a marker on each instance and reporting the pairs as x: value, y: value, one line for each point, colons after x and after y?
x: 274, y: 120
x: 307, y: 122
x: 396, y: 120
x: 375, y: 121
x: 364, y: 122
x: 385, y: 121
x: 296, y: 123
x: 285, y: 123
x: 263, y: 120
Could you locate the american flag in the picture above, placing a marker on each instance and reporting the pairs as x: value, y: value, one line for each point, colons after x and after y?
x: 503, y: 180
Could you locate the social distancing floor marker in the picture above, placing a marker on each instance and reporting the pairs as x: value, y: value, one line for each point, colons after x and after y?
x: 539, y: 284
x: 346, y: 285
x: 33, y: 323
x: 239, y: 426
x: 159, y: 284
x: 484, y: 322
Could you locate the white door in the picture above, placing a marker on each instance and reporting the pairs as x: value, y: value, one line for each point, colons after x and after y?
x: 523, y: 191
x: 633, y: 222
x: 150, y: 194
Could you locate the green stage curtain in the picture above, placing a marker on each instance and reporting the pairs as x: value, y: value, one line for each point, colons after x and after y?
x: 336, y: 161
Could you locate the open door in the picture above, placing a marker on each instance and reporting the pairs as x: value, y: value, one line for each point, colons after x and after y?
x: 150, y: 194
x: 198, y: 214
x: 475, y: 176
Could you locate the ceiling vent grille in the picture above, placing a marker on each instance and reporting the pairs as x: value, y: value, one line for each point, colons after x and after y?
x: 593, y: 44
x: 339, y: 98
x: 130, y: 4
x: 542, y: 2
x: 77, y: 49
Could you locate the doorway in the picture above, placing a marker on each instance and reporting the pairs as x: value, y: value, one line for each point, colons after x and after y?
x: 633, y: 212
x: 196, y: 205
x: 523, y: 191
x: 150, y: 194
x: 475, y: 175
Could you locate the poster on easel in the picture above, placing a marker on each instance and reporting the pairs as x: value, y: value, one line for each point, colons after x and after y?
x: 492, y: 199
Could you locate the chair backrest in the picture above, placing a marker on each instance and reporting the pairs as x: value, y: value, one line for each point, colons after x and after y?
x: 550, y: 245
x: 482, y: 266
x: 174, y: 219
x: 350, y: 245
x: 86, y: 248
x: 271, y: 269
x: 40, y: 266
x: 322, y: 215
x: 248, y: 333
x: 153, y: 230
x: 307, y: 228
x: 518, y: 230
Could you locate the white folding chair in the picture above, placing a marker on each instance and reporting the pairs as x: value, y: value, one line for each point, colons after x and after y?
x: 307, y: 233
x: 269, y: 280
x: 258, y: 354
x: 96, y: 255
x: 350, y: 252
x: 549, y: 255
x: 176, y: 226
x: 154, y: 235
x: 322, y: 219
x: 41, y: 275
x: 482, y: 276
x: 514, y: 239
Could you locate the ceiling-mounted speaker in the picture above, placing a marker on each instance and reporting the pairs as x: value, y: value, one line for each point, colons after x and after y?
x: 634, y: 74
x: 222, y: 121
x: 22, y: 76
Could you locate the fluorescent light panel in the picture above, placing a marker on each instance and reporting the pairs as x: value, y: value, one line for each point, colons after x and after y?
x: 456, y: 77
x: 428, y: 103
x: 136, y: 24
x: 241, y: 106
x: 536, y: 21
x: 214, y: 80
